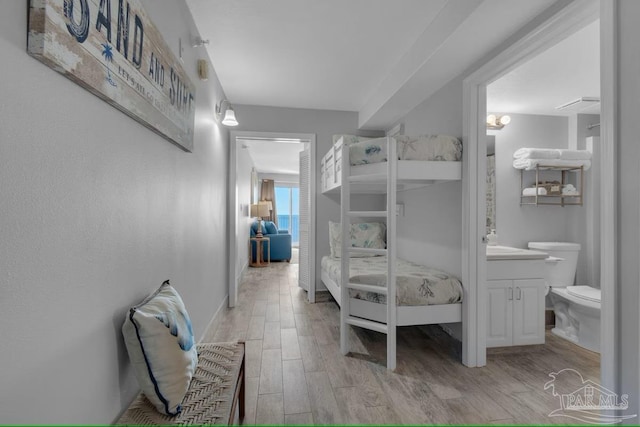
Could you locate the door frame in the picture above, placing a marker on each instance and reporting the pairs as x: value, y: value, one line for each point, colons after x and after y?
x: 233, y: 204
x: 558, y: 22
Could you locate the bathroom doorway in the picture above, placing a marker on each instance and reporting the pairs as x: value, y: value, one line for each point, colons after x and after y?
x: 536, y: 115
x: 550, y: 30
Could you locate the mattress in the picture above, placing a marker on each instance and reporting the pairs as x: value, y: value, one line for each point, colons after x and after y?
x: 424, y: 147
x: 415, y: 284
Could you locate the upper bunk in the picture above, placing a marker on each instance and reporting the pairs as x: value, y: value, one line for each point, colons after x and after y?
x: 423, y: 160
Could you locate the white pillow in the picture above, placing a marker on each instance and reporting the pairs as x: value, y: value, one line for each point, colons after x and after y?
x: 363, y: 235
x: 160, y: 342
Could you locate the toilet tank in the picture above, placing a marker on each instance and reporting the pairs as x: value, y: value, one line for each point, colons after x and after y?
x: 560, y: 273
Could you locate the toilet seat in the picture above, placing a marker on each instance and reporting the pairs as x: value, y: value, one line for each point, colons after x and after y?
x: 585, y: 292
x: 578, y: 301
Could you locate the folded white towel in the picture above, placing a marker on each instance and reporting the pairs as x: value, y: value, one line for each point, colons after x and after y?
x: 574, y: 154
x: 536, y: 153
x: 532, y: 191
x: 530, y: 164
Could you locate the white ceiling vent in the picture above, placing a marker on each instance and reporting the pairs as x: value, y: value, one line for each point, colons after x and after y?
x: 580, y: 104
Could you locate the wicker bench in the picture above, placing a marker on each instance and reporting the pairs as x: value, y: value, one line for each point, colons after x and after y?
x: 215, y: 396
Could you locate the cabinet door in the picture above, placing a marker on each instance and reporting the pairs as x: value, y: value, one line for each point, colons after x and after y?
x: 499, y: 313
x: 528, y: 311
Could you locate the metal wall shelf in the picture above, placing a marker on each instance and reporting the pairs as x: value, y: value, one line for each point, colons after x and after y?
x: 552, y: 199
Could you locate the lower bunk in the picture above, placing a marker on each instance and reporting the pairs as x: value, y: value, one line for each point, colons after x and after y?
x: 423, y: 295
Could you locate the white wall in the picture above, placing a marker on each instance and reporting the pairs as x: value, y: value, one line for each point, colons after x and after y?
x: 430, y: 232
x: 322, y: 123
x: 244, y: 165
x: 628, y: 204
x: 584, y: 228
x: 97, y: 211
x: 517, y: 225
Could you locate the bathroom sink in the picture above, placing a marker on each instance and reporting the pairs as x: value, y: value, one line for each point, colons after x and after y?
x: 507, y: 252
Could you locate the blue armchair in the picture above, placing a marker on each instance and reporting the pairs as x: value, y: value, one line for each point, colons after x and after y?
x: 279, y: 240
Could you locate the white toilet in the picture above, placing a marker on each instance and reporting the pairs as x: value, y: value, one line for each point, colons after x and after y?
x: 577, y: 308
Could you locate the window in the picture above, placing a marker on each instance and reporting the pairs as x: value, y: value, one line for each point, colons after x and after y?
x: 288, y: 210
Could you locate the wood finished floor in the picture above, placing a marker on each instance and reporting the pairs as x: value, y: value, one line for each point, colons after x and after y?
x: 296, y: 374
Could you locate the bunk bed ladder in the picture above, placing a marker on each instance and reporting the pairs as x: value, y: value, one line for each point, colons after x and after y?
x: 346, y: 319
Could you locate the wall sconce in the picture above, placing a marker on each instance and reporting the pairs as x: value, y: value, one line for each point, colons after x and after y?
x: 497, y: 122
x: 226, y: 113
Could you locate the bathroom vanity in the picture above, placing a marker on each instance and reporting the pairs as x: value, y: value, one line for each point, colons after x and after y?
x: 515, y: 295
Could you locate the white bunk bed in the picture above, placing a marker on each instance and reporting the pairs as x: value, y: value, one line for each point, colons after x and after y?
x: 340, y: 176
x: 410, y: 173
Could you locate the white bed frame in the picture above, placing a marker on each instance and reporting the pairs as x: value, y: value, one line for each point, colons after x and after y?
x: 407, y: 315
x: 383, y: 178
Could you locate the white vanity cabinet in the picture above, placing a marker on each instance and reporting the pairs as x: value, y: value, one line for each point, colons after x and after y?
x: 515, y: 295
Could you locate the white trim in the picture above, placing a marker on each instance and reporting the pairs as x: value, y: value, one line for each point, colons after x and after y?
x: 244, y: 270
x: 212, y: 327
x: 473, y: 226
x: 312, y: 235
x: 233, y: 201
x: 609, y: 334
x: 232, y: 215
x: 555, y: 24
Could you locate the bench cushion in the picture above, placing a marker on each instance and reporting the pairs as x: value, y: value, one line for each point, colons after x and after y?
x: 160, y: 343
x: 211, y: 396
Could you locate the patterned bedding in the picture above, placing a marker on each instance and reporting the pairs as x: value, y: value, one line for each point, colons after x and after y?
x: 424, y: 147
x: 415, y: 284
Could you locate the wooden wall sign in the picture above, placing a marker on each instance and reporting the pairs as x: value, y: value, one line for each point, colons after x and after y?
x: 112, y: 49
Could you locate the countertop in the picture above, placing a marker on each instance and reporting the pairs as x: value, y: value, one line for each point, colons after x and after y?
x: 495, y: 253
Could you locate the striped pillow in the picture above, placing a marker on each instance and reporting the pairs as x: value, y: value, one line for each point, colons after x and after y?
x: 160, y: 343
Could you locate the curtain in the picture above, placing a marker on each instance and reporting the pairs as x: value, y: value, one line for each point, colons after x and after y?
x: 268, y: 193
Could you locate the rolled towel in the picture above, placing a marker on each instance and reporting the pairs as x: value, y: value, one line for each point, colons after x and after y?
x: 574, y: 154
x: 532, y: 191
x: 569, y: 190
x: 536, y: 153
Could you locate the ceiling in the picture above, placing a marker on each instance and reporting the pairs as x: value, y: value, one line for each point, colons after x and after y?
x: 566, y: 72
x: 273, y: 156
x: 381, y: 58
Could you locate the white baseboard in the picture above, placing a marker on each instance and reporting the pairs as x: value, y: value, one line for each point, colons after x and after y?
x: 215, y: 320
x: 242, y: 271
x: 212, y: 327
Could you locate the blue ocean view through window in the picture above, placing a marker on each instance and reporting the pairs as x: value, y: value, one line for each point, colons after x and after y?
x: 290, y: 223
x: 287, y: 208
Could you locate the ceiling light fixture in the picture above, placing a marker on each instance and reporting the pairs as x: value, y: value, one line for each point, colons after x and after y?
x: 497, y: 122
x: 226, y: 113
x: 579, y: 104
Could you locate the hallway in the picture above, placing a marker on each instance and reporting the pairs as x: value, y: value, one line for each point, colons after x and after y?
x: 296, y: 374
